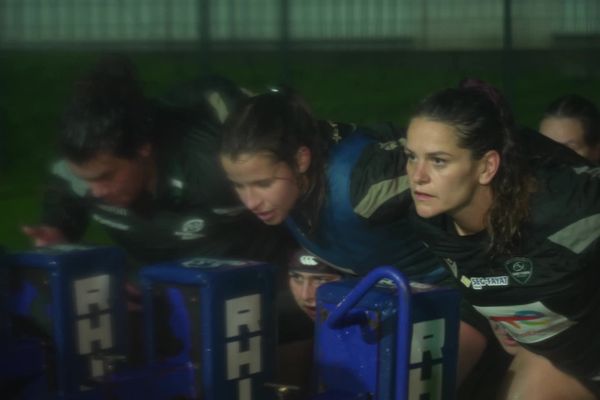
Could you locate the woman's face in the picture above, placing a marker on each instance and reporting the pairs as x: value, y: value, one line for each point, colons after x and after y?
x: 304, y: 287
x: 444, y: 178
x: 267, y: 187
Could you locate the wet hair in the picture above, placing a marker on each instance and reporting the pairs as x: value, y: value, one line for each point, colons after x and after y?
x: 581, y: 109
x: 107, y: 113
x: 483, y: 122
x: 279, y: 123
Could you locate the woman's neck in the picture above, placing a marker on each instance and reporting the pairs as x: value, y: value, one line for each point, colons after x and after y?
x: 471, y: 219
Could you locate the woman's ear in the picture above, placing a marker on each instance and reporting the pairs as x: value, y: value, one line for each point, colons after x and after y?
x: 303, y: 157
x: 490, y: 162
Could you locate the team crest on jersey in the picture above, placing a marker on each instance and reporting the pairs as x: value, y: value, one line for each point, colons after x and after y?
x: 191, y: 229
x: 520, y: 269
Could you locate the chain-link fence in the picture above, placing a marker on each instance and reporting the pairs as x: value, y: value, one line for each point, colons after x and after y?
x: 345, y: 24
x: 504, y: 35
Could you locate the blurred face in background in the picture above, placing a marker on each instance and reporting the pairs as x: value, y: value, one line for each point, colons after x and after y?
x: 115, y: 180
x: 569, y: 132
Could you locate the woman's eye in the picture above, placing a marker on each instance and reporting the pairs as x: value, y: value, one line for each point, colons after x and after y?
x: 439, y: 161
x: 264, y: 184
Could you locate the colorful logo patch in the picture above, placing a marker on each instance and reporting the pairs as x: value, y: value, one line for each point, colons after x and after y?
x: 527, y: 323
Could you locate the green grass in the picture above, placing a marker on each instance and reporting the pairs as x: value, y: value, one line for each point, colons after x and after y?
x: 359, y: 87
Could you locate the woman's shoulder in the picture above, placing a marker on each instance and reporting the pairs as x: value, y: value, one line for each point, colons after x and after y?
x: 564, y: 195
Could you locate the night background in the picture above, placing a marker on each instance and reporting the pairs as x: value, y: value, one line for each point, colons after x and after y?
x: 354, y: 60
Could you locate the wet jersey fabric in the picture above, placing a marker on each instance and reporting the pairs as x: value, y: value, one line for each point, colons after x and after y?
x: 546, y: 294
x: 194, y: 211
x: 361, y: 224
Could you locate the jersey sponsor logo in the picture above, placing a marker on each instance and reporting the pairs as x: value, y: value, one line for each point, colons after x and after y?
x: 452, y: 265
x: 113, y: 224
x: 479, y: 283
x: 191, y: 229
x: 520, y: 269
x: 527, y: 323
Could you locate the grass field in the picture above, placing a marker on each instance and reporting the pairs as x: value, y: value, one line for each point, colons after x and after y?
x: 357, y: 87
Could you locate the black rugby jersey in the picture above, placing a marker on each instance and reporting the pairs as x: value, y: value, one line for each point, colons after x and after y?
x: 546, y: 294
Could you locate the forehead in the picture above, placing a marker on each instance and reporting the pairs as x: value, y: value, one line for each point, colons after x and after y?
x: 251, y: 166
x: 426, y: 135
x: 103, y: 161
x: 562, y: 128
x: 310, y: 275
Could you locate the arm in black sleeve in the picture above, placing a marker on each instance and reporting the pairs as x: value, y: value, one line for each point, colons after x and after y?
x: 64, y: 205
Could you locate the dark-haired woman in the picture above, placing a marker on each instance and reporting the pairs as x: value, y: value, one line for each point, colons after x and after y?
x: 521, y: 234
x: 336, y: 187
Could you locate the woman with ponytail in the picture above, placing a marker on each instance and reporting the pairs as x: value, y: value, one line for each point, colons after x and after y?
x: 334, y: 185
x: 520, y: 233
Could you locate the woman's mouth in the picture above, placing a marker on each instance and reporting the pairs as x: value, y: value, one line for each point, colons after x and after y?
x: 420, y: 196
x: 311, y: 311
x: 266, y: 215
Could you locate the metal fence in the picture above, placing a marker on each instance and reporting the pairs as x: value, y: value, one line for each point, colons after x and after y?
x: 339, y: 24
